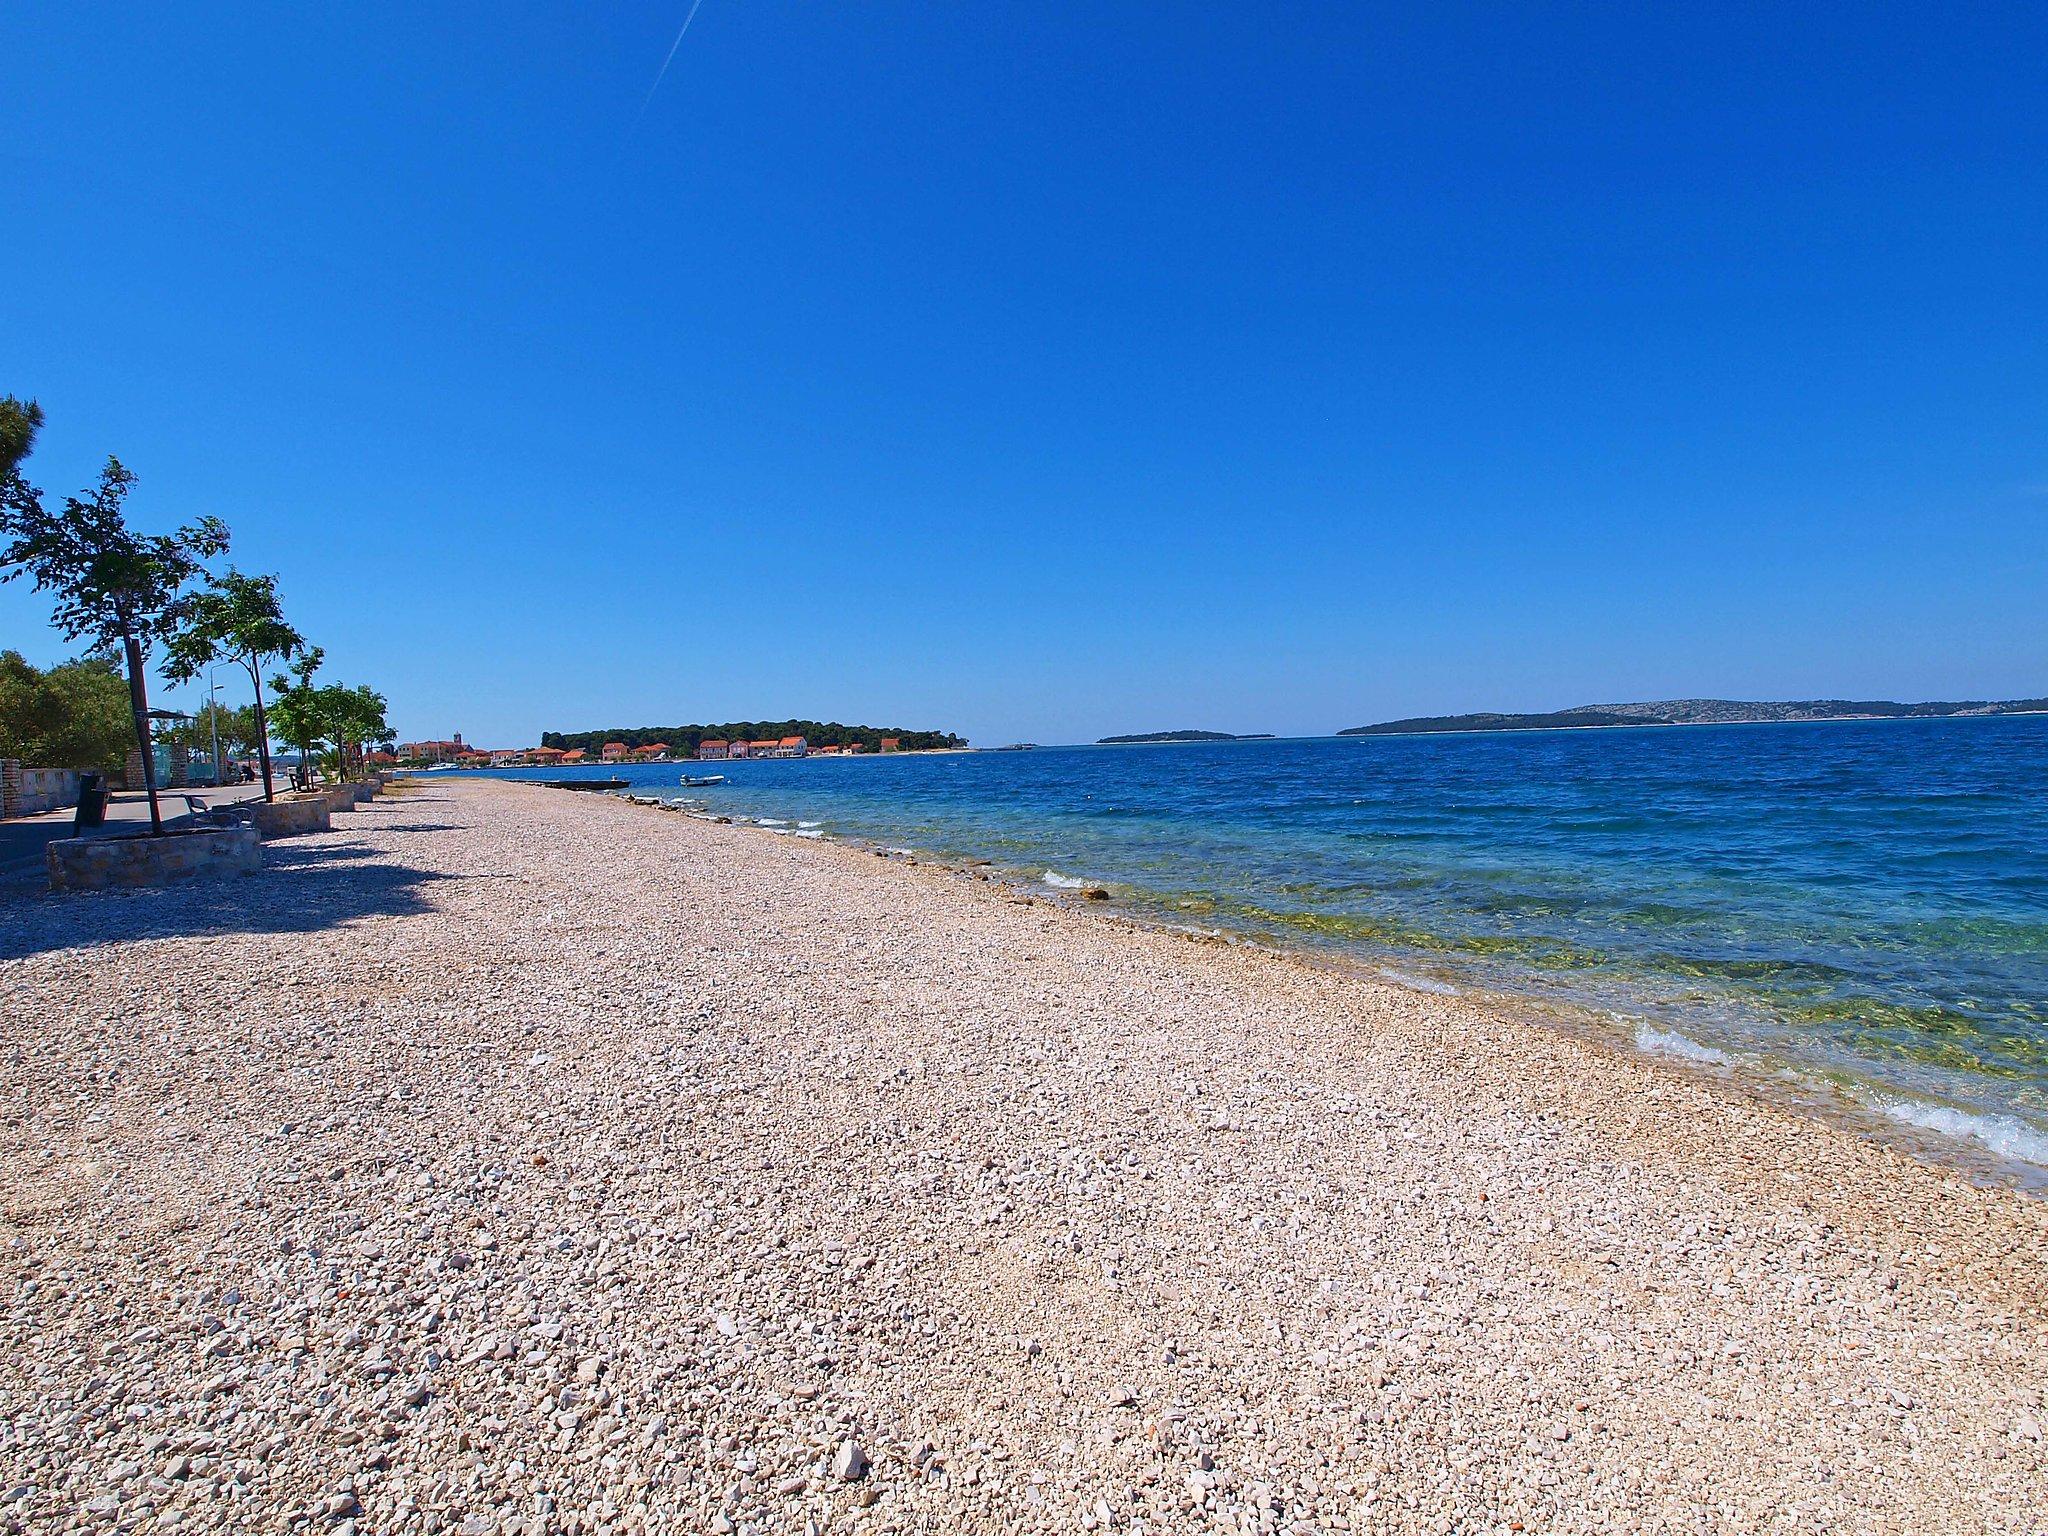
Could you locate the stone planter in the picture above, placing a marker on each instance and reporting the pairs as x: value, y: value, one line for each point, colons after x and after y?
x: 291, y: 818
x: 364, y: 789
x: 122, y: 863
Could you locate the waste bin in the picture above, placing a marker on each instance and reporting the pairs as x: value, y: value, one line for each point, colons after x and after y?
x: 92, y: 802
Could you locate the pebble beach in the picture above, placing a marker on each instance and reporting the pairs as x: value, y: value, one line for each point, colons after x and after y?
x: 514, y: 1161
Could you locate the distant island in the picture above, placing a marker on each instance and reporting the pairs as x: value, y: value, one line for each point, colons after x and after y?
x: 1153, y: 736
x: 682, y: 740
x: 1700, y: 712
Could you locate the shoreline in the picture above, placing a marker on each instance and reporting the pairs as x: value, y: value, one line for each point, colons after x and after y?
x: 1357, y: 733
x: 1827, y: 1096
x: 519, y: 1157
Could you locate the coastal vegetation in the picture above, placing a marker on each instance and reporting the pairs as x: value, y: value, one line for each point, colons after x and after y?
x: 234, y: 618
x: 683, y: 739
x: 335, y: 723
x: 113, y: 588
x: 1700, y: 712
x: 1145, y: 738
x: 75, y: 713
x: 232, y: 725
x: 127, y: 595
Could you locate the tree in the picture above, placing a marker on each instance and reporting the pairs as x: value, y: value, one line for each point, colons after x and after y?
x: 233, y: 618
x: 236, y: 725
x: 114, y: 588
x: 19, y: 422
x: 355, y: 720
x: 296, y: 705
x: 75, y: 715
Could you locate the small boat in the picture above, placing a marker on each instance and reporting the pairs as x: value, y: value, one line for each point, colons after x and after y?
x: 701, y: 781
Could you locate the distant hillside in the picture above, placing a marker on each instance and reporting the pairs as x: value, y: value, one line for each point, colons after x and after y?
x: 684, y: 738
x: 1150, y: 736
x: 1701, y: 712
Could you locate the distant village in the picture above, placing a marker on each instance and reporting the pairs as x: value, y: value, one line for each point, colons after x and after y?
x: 455, y: 752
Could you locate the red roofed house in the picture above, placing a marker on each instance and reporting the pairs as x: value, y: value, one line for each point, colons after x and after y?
x: 615, y: 751
x: 432, y: 751
x: 711, y: 751
x: 892, y: 743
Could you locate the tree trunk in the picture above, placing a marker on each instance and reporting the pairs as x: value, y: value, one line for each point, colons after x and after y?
x: 138, y: 702
x: 262, y: 730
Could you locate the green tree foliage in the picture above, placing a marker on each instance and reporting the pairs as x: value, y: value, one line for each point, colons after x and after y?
x: 233, y: 618
x: 295, y: 708
x: 75, y: 715
x: 819, y: 733
x: 355, y: 722
x: 19, y: 422
x: 315, y: 717
x: 238, y: 734
x: 113, y: 588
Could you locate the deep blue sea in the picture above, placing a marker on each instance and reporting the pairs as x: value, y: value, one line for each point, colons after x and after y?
x: 1857, y: 907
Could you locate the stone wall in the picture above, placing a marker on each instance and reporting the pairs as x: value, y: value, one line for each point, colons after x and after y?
x: 291, y: 818
x: 31, y: 791
x: 117, y: 863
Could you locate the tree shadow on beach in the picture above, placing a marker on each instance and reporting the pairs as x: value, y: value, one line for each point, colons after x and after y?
x: 300, y: 889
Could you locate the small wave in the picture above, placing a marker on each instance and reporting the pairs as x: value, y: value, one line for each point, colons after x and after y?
x: 2001, y: 1133
x: 1419, y: 983
x: 1064, y: 882
x: 810, y: 824
x: 1669, y: 1042
x: 769, y: 821
x: 802, y: 833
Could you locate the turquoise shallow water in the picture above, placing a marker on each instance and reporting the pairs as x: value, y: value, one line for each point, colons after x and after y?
x: 1862, y: 904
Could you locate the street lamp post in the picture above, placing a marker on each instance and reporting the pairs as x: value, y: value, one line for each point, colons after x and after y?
x: 213, y: 715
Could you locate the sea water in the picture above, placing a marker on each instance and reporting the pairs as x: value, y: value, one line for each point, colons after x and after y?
x: 1855, y: 904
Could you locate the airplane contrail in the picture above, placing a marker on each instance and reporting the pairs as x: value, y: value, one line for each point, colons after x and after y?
x: 672, y: 47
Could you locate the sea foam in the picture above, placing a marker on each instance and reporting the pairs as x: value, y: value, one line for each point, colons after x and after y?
x: 1669, y: 1042
x: 2001, y: 1133
x: 1064, y: 882
x: 1419, y: 983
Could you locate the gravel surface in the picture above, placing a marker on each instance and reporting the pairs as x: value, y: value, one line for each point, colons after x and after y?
x: 516, y: 1161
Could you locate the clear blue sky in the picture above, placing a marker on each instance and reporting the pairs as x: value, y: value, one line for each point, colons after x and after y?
x: 1045, y: 371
